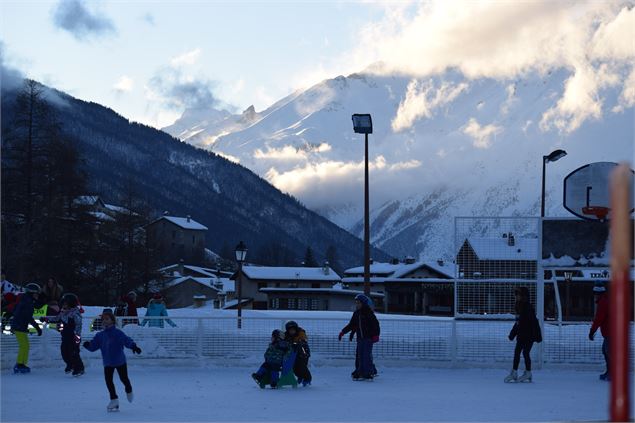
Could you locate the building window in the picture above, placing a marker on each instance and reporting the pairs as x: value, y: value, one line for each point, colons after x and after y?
x: 315, y: 285
x: 315, y: 304
x: 262, y: 285
x: 291, y: 303
x: 277, y: 284
x: 275, y: 303
x: 303, y: 303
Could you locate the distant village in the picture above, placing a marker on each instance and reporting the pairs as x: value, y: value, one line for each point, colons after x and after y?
x: 574, y: 258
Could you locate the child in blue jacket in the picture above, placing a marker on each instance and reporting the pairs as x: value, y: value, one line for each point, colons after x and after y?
x: 111, y: 342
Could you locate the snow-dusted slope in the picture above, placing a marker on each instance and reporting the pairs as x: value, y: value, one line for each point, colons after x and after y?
x: 441, y: 147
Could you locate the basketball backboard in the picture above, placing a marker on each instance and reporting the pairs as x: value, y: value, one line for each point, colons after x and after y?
x: 586, y: 191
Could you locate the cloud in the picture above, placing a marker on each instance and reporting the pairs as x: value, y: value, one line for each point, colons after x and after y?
x: 481, y: 135
x: 73, y: 16
x: 187, y: 58
x: 124, y: 84
x: 627, y: 96
x: 290, y: 153
x: 422, y: 99
x: 148, y: 18
x: 10, y: 77
x: 507, y: 40
x: 176, y: 90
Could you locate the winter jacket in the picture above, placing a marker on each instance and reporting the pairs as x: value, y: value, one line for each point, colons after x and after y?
x: 111, y: 342
x: 601, y: 319
x: 364, y: 323
x: 275, y: 352
x: 299, y: 342
x: 525, y: 327
x: 72, y: 319
x: 156, y: 308
x: 52, y: 296
x: 23, y: 313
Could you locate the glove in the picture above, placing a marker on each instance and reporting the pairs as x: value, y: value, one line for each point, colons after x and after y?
x: 86, y: 344
x: 591, y: 336
x: 339, y: 338
x: 375, y: 339
x: 136, y: 350
x: 511, y: 337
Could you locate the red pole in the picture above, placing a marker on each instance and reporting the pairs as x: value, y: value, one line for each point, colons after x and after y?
x: 619, y: 294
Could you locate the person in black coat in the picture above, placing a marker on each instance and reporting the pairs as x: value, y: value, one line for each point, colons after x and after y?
x: 525, y: 332
x: 296, y: 337
x: 365, y: 325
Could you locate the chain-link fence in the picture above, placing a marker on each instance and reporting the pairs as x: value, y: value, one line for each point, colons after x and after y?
x: 440, y: 340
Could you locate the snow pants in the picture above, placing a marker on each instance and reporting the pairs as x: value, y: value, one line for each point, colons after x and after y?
x: 364, y: 366
x: 23, y: 347
x: 70, y: 354
x: 122, y: 371
x: 301, y: 368
x: 605, y: 352
x: 525, y: 348
x: 272, y: 370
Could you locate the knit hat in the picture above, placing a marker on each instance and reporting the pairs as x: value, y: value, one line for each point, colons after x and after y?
x: 290, y: 324
x: 70, y: 300
x: 362, y: 299
x: 277, y: 333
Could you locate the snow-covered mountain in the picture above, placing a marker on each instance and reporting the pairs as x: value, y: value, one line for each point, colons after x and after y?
x: 441, y: 147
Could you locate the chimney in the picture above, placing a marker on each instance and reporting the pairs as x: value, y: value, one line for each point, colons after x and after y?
x: 440, y: 262
x: 326, y: 268
x: 394, y: 261
x: 188, y: 218
x: 166, y: 213
x: 181, y: 270
x: 410, y: 260
x: 510, y: 240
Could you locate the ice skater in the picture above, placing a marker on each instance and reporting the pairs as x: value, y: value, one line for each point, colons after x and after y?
x: 71, y: 318
x: 365, y: 325
x: 273, y: 359
x: 601, y: 321
x: 111, y: 341
x: 22, y: 317
x: 526, y: 331
x: 296, y: 337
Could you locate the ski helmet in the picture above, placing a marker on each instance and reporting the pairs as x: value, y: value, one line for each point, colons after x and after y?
x: 33, y: 288
x: 70, y: 300
x: 362, y: 299
x: 291, y: 324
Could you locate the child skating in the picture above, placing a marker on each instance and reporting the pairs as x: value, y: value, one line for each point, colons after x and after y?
x: 22, y: 317
x: 71, y: 318
x: 111, y: 342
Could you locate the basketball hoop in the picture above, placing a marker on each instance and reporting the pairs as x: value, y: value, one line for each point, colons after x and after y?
x: 599, y: 212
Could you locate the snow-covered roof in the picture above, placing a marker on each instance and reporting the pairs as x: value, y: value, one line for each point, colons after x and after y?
x: 116, y: 209
x: 203, y: 271
x: 290, y: 273
x: 498, y: 248
x: 382, y: 280
x: 399, y: 270
x: 334, y: 291
x: 184, y: 222
x: 87, y: 200
x: 101, y: 216
x: 207, y: 282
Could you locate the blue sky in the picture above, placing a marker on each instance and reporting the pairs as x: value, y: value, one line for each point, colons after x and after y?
x: 246, y: 52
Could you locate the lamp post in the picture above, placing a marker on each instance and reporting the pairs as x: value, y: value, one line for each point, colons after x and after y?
x: 554, y: 156
x: 363, y: 124
x: 241, y: 254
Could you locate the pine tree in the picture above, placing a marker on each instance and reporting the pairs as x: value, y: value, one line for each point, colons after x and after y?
x: 309, y: 259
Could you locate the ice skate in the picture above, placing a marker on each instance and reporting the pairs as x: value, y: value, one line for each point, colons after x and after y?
x: 130, y: 396
x: 605, y: 376
x: 113, y: 406
x: 525, y: 377
x: 68, y: 369
x: 511, y: 377
x: 77, y: 373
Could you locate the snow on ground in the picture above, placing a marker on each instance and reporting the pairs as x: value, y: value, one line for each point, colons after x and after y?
x: 220, y: 393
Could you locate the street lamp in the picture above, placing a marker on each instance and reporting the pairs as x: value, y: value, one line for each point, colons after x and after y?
x: 554, y: 156
x: 363, y: 124
x: 241, y: 254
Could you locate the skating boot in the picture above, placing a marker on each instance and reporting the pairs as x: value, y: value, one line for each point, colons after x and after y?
x: 113, y: 406
x: 605, y: 376
x: 68, y: 369
x: 130, y: 396
x: 16, y: 369
x: 525, y: 377
x: 511, y: 377
x: 77, y: 373
x: 24, y: 369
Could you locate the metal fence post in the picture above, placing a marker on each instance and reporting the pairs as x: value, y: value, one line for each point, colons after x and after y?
x: 454, y: 343
x: 199, y: 341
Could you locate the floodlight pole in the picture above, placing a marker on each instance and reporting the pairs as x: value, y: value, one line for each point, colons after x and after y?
x: 366, y: 223
x: 542, y: 201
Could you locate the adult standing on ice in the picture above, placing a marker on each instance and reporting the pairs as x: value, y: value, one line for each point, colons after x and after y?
x: 365, y: 325
x: 111, y: 341
x: 601, y: 321
x: 525, y: 332
x: 157, y: 308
